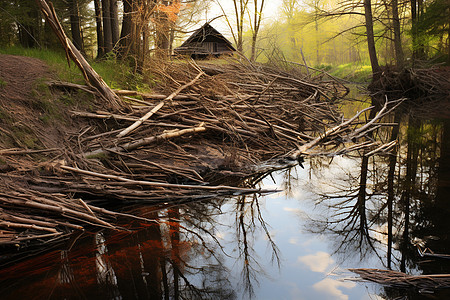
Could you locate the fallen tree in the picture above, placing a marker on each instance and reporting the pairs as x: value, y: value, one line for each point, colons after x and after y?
x: 401, y: 280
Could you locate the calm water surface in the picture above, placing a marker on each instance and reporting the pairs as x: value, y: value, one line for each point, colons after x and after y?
x: 336, y: 213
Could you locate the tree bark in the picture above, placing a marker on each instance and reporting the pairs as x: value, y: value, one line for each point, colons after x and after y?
x: 75, y: 25
x: 257, y: 24
x: 376, y: 70
x: 114, y: 14
x: 127, y: 28
x: 399, y: 57
x: 162, y: 31
x: 107, y: 33
x: 98, y: 21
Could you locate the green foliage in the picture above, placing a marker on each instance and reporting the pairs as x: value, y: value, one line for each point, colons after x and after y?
x: 433, y: 28
x: 302, y: 37
x: 119, y: 75
x: 2, y: 83
x: 5, y: 117
x: 352, y: 72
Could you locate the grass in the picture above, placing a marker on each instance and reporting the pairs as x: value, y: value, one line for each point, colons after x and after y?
x: 55, y: 59
x: 5, y: 117
x: 115, y: 73
x: 352, y: 72
x: 2, y: 83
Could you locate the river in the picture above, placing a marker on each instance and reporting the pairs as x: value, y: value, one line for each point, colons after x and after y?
x: 336, y: 213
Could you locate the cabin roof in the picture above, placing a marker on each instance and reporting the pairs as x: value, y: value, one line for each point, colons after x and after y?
x: 206, y: 33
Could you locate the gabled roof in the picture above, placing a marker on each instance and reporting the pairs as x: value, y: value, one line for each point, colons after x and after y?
x: 202, y: 33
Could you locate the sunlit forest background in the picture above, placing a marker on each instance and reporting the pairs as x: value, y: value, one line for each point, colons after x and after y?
x: 326, y: 34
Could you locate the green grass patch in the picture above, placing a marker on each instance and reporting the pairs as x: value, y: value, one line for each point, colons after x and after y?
x: 358, y: 73
x: 2, y: 83
x: 120, y: 75
x: 117, y: 74
x: 353, y: 72
x: 43, y: 101
x: 25, y: 137
x: 5, y: 117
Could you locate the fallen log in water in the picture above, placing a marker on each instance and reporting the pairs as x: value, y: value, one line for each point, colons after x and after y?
x: 28, y: 216
x: 404, y: 281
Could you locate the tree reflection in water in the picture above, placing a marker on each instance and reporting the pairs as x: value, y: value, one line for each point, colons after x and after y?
x: 393, y: 206
x: 179, y: 256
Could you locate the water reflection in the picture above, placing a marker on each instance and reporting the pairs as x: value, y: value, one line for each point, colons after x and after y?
x: 395, y: 207
x: 161, y: 261
x: 344, y: 212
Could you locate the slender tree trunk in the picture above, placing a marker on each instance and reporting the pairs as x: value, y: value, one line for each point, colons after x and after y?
x: 114, y: 14
x: 127, y: 28
x: 257, y: 24
x: 98, y: 21
x: 253, y: 53
x: 75, y: 25
x: 107, y: 33
x: 414, y: 31
x: 399, y: 57
x: 240, y: 7
x: 376, y: 70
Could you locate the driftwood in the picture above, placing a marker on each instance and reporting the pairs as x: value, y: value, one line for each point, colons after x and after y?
x: 158, y: 107
x: 146, y: 141
x: 31, y: 215
x: 404, y: 281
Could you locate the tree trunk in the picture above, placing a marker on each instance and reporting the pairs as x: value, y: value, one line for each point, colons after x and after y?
x: 376, y: 70
x: 75, y: 25
x: 257, y: 23
x: 107, y: 33
x: 240, y: 7
x: 98, y: 21
x: 253, y: 53
x: 127, y: 28
x: 417, y: 46
x: 399, y: 57
x: 162, y: 31
x: 114, y: 14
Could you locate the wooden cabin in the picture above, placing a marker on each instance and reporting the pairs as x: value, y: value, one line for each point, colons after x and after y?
x: 205, y: 41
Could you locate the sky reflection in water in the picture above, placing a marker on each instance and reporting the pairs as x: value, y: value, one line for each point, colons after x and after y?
x: 308, y: 270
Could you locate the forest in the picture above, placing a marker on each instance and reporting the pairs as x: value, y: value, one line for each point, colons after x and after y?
x: 343, y: 36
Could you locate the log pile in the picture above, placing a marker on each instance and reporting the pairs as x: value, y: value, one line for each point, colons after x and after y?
x: 28, y: 217
x: 427, y: 89
x: 208, y: 131
x: 183, y: 145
